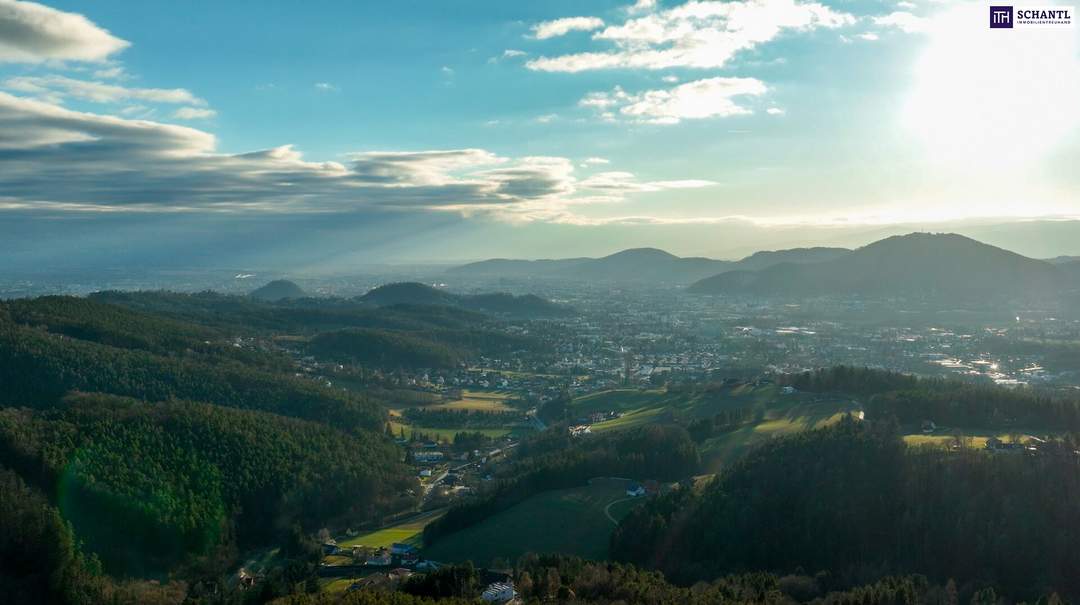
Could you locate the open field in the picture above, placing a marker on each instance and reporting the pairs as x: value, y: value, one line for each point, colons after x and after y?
x: 660, y: 405
x: 974, y: 437
x: 717, y: 451
x: 568, y: 521
x: 446, y: 434
x: 470, y: 401
x: 483, y: 401
x: 406, y: 533
x: 774, y: 413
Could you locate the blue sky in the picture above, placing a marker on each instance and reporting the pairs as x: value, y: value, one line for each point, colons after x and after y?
x: 505, y: 117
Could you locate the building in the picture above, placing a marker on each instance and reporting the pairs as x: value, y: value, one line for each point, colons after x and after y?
x: 635, y: 489
x: 499, y: 592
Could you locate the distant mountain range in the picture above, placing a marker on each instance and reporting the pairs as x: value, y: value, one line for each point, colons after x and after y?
x: 647, y: 265
x: 413, y: 293
x: 941, y: 266
x: 279, y: 289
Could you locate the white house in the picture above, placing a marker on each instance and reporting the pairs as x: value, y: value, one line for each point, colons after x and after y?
x: 635, y: 489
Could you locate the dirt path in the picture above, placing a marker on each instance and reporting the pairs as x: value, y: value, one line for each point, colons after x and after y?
x: 607, y: 509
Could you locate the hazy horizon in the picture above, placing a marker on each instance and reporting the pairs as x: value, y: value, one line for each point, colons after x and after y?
x: 526, y: 130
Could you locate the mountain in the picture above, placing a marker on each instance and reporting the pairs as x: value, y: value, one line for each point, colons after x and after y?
x: 640, y: 265
x: 279, y: 289
x: 768, y: 258
x: 413, y: 293
x: 1063, y: 260
x: 637, y: 264
x: 941, y: 266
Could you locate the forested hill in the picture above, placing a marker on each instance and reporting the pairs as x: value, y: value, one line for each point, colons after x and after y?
x: 944, y: 267
x: 641, y: 265
x: 501, y: 303
x: 38, y: 367
x: 854, y: 500
x: 169, y: 448
x: 147, y: 486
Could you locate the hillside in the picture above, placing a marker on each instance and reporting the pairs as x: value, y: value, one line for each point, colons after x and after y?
x: 648, y: 265
x: 146, y: 485
x: 853, y: 499
x: 279, y: 289
x: 500, y: 303
x: 768, y: 258
x: 933, y: 266
x: 634, y: 265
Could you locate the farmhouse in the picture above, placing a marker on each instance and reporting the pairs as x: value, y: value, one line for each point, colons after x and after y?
x: 635, y: 489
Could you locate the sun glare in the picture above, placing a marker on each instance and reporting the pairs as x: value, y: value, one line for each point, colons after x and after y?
x: 984, y: 100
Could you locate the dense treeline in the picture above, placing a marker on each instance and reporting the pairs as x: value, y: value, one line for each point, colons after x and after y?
x: 471, y: 419
x: 91, y: 320
x: 37, y: 368
x: 554, y: 461
x: 723, y: 422
x: 569, y: 580
x: 948, y: 402
x: 41, y: 560
x: 440, y: 335
x: 382, y: 348
x: 854, y: 500
x: 148, y: 485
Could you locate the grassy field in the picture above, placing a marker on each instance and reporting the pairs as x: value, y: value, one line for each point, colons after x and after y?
x: 445, y: 434
x: 717, y: 451
x: 470, y: 401
x: 659, y: 405
x: 774, y: 414
x: 974, y: 437
x: 483, y: 401
x: 569, y: 521
x: 406, y: 533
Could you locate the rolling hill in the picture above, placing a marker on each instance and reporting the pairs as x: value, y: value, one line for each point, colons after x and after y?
x: 934, y: 266
x: 413, y: 293
x: 279, y: 289
x: 640, y: 265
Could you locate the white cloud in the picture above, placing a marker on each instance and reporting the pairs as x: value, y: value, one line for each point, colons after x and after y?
x: 626, y: 182
x: 510, y: 53
x: 194, y: 113
x: 904, y: 21
x: 325, y: 87
x: 111, y: 73
x: 547, y: 118
x: 641, y: 6
x: 775, y: 111
x: 595, y: 161
x: 709, y: 98
x: 670, y: 79
x: 561, y: 27
x: 868, y: 36
x: 906, y: 5
x: 33, y: 33
x: 59, y: 159
x: 698, y: 34
x: 58, y: 87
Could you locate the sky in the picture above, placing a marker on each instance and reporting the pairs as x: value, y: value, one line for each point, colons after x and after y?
x: 340, y: 132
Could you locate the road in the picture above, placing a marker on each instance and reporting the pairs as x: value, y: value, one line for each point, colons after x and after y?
x: 607, y: 509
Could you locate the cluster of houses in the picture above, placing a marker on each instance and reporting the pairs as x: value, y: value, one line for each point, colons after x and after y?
x: 996, y: 445
x: 399, y: 555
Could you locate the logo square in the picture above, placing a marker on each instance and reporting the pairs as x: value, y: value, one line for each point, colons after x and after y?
x: 1001, y: 17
